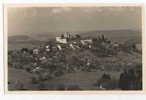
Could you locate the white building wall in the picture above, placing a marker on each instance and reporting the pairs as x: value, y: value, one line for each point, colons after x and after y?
x: 60, y: 40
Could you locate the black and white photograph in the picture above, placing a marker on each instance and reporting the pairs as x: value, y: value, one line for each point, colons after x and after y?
x: 74, y: 48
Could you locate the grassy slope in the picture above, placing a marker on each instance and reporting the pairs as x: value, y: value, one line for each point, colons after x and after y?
x: 21, y: 76
x: 85, y: 80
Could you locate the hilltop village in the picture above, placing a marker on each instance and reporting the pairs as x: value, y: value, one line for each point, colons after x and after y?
x: 72, y: 53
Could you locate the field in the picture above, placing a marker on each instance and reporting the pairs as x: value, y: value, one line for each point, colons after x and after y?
x: 83, y: 80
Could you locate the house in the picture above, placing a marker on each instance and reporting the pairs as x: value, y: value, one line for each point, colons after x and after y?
x: 86, y: 41
x: 61, y: 40
x: 72, y: 46
x: 47, y: 48
x: 59, y: 47
x: 35, y: 51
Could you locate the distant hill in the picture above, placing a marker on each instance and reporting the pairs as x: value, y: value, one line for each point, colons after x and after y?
x: 45, y: 36
x: 116, y: 35
x: 22, y: 41
x: 19, y: 38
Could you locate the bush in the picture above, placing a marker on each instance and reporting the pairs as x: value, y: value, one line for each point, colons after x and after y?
x: 34, y: 80
x: 42, y: 86
x: 58, y: 73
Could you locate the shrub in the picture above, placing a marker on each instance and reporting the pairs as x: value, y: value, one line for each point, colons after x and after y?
x: 42, y: 86
x: 34, y: 80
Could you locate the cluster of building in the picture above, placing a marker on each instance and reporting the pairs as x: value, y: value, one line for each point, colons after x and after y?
x: 41, y: 55
x: 65, y: 41
x: 52, y: 50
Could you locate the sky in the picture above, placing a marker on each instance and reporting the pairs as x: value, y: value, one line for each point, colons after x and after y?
x: 37, y: 20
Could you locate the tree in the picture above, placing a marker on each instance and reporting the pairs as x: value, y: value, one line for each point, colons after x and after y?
x: 78, y: 36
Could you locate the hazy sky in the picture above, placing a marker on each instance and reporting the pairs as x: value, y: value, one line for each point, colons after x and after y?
x: 42, y: 20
